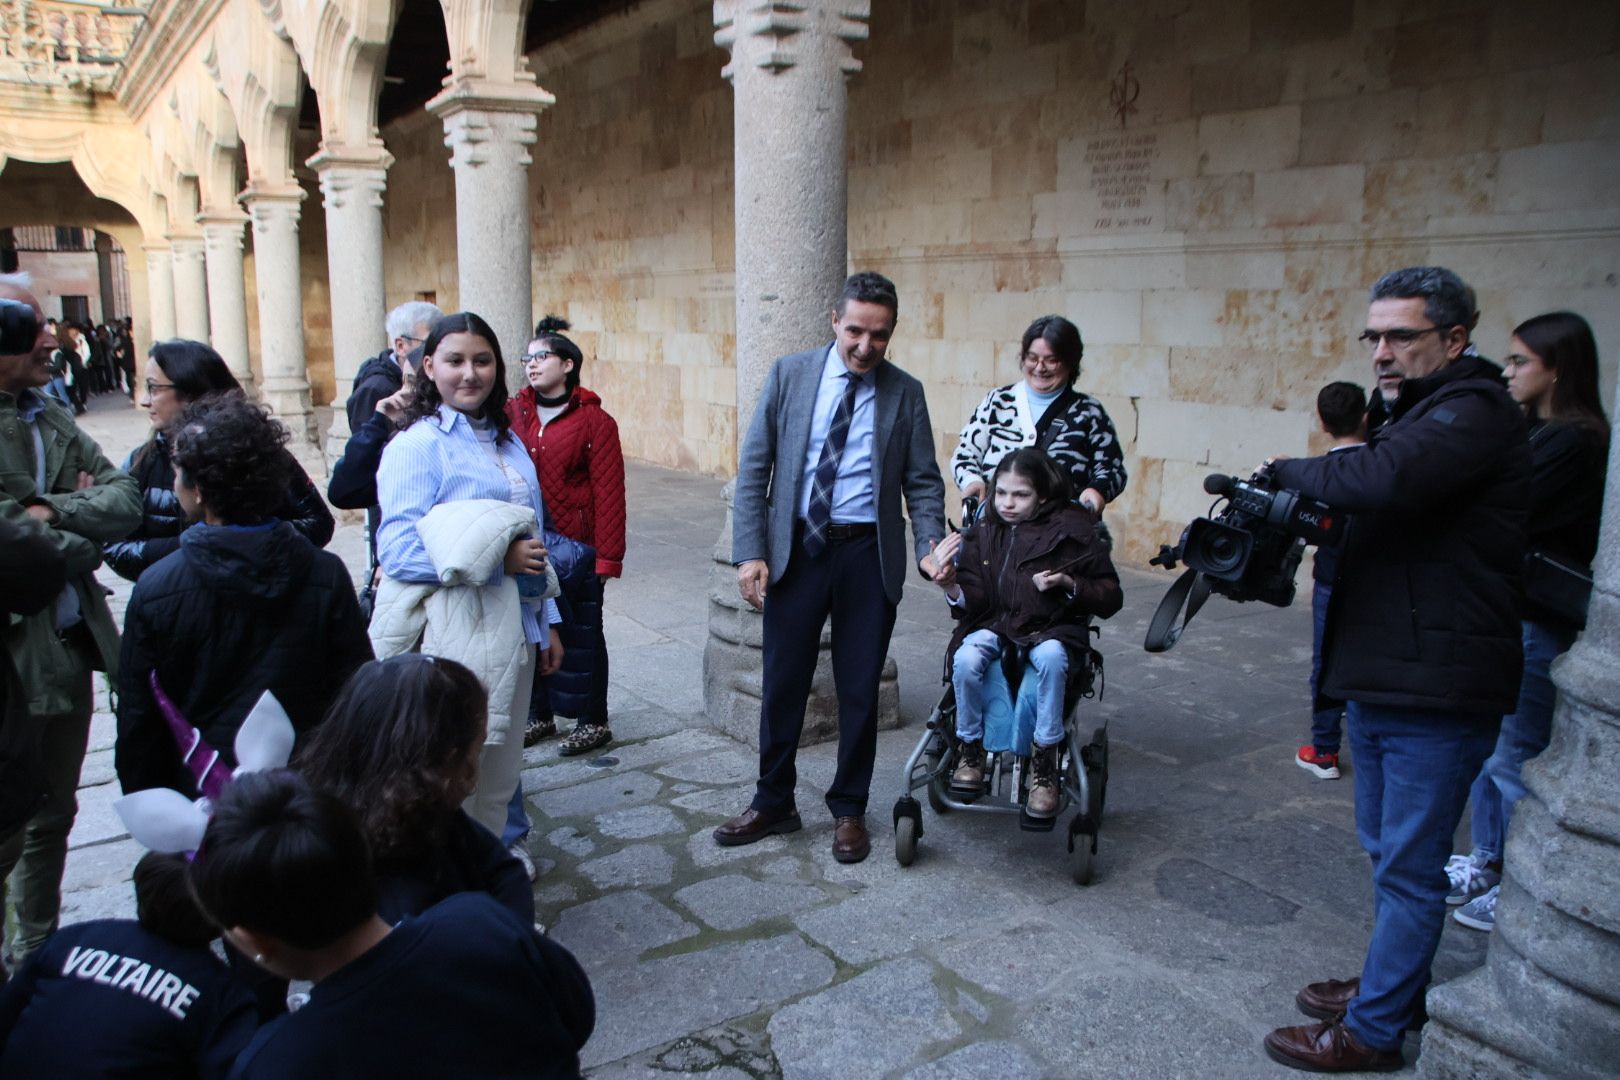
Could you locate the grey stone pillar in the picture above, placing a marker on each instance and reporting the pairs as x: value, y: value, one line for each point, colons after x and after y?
x: 160, y: 291
x: 227, y: 293
x: 1547, y: 1001
x: 788, y: 66
x: 489, y: 132
x: 190, y: 288
x: 352, y: 192
x: 285, y: 386
x: 104, y: 277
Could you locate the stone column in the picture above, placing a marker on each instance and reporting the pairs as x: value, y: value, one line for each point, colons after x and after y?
x: 352, y: 191
x: 285, y: 385
x: 190, y: 288
x: 489, y: 132
x: 104, y: 278
x: 1547, y: 1001
x: 160, y: 290
x: 789, y: 63
x: 227, y: 293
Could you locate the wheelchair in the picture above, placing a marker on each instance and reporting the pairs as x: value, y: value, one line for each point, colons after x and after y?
x: 1082, y: 767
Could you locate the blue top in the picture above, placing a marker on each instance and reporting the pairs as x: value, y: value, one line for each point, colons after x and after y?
x: 852, y: 498
x: 110, y: 998
x: 464, y: 989
x: 1040, y: 402
x: 437, y: 460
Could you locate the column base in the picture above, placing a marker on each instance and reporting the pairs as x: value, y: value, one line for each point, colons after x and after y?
x: 289, y: 400
x: 733, y: 664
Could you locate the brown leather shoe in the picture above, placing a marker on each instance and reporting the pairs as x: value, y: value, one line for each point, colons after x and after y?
x: 1328, y: 1047
x: 1328, y: 999
x: 751, y: 826
x: 850, y: 842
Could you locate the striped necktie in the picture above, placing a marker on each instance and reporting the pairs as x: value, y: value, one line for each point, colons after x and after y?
x: 821, y: 492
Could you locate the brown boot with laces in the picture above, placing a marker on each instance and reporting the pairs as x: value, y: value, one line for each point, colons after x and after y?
x: 969, y: 775
x: 1042, y: 801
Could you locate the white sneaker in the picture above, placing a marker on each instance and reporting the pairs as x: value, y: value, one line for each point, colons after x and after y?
x: 1469, y: 878
x: 1480, y: 912
x: 518, y: 852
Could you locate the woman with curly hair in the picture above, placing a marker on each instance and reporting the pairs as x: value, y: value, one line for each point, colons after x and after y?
x: 455, y: 470
x: 247, y: 604
x: 178, y: 373
x: 400, y: 746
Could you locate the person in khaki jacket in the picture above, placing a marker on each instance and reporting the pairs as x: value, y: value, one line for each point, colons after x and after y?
x: 54, y: 474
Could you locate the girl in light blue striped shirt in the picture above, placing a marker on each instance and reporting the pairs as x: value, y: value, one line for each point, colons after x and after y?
x: 457, y: 446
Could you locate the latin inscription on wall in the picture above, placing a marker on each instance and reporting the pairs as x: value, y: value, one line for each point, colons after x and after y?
x: 1122, y: 167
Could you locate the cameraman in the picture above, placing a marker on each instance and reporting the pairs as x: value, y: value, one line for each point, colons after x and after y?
x: 1422, y: 641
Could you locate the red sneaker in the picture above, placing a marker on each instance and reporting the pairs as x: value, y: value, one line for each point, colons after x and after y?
x: 1323, y: 766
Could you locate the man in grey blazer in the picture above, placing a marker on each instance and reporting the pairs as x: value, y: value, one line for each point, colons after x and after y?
x: 837, y: 437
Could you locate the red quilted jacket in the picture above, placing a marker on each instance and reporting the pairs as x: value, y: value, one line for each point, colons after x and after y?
x: 581, y: 471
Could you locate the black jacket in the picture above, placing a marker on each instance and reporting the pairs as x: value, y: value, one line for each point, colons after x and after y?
x: 234, y: 612
x: 466, y: 858
x: 162, y: 519
x: 1570, y: 463
x: 32, y: 572
x: 1424, y: 612
x: 378, y: 377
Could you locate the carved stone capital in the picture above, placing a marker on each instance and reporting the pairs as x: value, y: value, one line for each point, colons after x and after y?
x: 352, y: 180
x: 778, y: 34
x: 476, y: 137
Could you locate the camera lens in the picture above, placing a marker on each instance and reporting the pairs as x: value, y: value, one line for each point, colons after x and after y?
x: 1217, y: 550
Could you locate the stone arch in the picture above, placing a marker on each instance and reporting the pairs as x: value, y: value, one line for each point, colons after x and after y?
x: 343, y: 45
x: 257, y: 70
x: 101, y: 155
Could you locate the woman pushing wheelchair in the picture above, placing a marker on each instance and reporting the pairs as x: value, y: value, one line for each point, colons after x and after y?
x: 1030, y: 574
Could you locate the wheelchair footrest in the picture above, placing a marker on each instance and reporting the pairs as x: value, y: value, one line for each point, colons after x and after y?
x: 1035, y: 824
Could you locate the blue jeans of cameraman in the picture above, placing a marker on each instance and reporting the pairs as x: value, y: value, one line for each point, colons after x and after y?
x: 1413, y: 771
x: 1525, y: 734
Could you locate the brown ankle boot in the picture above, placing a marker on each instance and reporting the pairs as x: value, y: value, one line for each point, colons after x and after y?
x: 1042, y: 801
x: 969, y: 774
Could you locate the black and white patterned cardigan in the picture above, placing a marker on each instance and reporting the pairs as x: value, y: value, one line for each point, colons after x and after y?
x: 1082, y: 439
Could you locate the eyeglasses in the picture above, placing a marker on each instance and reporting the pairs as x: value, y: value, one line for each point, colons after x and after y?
x: 1400, y: 339
x: 1515, y: 361
x: 413, y: 340
x: 154, y: 387
x: 536, y: 357
x: 1031, y: 359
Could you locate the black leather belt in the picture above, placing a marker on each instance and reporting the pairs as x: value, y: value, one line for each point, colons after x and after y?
x: 851, y: 530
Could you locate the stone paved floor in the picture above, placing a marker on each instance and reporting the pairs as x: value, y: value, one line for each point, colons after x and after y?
x: 1226, y: 877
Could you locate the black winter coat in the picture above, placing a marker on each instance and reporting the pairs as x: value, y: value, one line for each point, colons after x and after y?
x: 236, y: 611
x: 467, y: 858
x: 163, y: 520
x: 1570, y: 463
x: 1424, y: 613
x: 378, y: 377
x: 997, y: 565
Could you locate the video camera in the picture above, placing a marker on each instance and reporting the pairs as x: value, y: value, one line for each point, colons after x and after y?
x: 1249, y: 551
x: 18, y: 328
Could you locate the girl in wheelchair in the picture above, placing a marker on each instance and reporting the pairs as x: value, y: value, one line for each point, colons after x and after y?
x: 1029, y: 574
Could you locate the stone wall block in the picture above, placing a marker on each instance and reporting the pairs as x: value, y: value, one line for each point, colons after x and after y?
x: 1236, y: 268
x: 1583, y: 101
x: 1207, y: 32
x: 1105, y: 317
x: 1223, y: 375
x: 1358, y: 128
x: 1183, y: 316
x: 1251, y: 141
x: 1326, y: 69
x: 1129, y: 371
x: 1231, y: 437
x: 1562, y: 176
x: 1242, y: 81
x: 1531, y: 37
x: 1165, y: 269
x: 1325, y: 194
x: 1415, y: 190
x: 1283, y: 23
x: 1210, y: 202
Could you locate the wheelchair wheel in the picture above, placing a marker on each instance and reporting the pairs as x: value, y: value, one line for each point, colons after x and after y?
x: 905, y: 840
x: 1082, y: 859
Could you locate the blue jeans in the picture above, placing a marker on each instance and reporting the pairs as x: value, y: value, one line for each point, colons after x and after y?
x: 982, y: 648
x: 517, y: 820
x: 1525, y: 733
x: 1326, y: 713
x: 1413, y: 770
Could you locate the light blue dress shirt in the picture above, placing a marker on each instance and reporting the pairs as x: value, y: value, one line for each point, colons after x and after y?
x: 437, y: 460
x: 852, y: 498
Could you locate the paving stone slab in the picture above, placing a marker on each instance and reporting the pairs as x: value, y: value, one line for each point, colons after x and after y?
x: 636, y: 718
x: 618, y: 928
x: 96, y: 821
x: 669, y: 747
x: 102, y: 864
x: 719, y: 767
x: 638, y: 864
x: 726, y: 1052
x: 639, y: 822
x: 706, y: 854
x: 1017, y: 962
x: 722, y: 802
x: 556, y: 893
x: 548, y: 772
x: 732, y: 901
x: 98, y: 769
x: 1001, y: 1060
x: 1219, y: 895
x: 649, y: 1004
x: 911, y: 914
x: 891, y: 1012
x: 102, y: 902
x: 571, y: 840
x: 598, y: 796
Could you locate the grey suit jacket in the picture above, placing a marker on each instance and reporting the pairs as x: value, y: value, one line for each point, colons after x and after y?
x: 770, y: 469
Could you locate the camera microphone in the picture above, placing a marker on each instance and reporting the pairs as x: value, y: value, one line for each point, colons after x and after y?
x: 1219, y: 484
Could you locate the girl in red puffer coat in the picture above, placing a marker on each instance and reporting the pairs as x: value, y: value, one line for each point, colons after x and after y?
x: 574, y: 445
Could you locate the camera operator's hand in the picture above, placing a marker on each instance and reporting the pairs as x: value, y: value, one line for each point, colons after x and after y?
x: 526, y: 555
x: 752, y: 577
x: 1093, y: 500
x: 1052, y: 579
